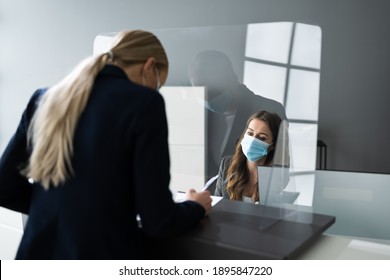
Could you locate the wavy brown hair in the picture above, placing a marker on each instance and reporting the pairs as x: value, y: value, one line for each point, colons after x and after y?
x: 54, y: 122
x: 238, y: 173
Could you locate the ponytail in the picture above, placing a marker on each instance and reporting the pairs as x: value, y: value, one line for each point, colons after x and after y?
x: 53, y: 124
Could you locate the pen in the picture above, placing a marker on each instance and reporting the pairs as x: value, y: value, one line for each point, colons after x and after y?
x: 208, y: 183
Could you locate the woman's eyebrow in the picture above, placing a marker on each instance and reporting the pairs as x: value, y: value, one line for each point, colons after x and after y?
x: 261, y: 133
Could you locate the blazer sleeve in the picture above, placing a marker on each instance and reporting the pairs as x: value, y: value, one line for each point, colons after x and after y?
x: 15, y: 190
x: 160, y: 215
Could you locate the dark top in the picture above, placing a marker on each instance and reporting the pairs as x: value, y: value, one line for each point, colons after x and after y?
x: 121, y: 165
x: 220, y: 186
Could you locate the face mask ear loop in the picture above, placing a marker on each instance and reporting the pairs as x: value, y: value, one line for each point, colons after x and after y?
x: 271, y: 145
x: 158, y: 78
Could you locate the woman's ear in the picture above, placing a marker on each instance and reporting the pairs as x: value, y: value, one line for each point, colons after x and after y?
x: 149, y: 64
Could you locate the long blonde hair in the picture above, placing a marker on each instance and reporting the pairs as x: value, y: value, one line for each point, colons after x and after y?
x: 54, y: 122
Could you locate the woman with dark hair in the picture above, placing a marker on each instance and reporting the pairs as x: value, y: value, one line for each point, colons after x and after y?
x: 237, y: 176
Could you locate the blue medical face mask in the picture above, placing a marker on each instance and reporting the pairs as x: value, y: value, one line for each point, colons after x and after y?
x: 253, y: 148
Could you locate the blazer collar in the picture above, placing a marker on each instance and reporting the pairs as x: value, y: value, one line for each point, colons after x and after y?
x: 112, y: 70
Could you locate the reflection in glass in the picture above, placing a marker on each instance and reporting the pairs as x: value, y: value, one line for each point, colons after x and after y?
x: 306, y: 50
x: 304, y: 185
x: 360, y: 202
x: 274, y: 180
x: 303, y: 139
x: 269, y: 41
x: 303, y: 95
x: 269, y: 80
x: 186, y: 137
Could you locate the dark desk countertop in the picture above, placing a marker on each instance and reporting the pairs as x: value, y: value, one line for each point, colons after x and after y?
x: 237, y: 230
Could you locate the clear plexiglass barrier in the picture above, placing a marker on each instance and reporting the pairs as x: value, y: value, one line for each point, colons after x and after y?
x: 218, y: 77
x: 243, y: 69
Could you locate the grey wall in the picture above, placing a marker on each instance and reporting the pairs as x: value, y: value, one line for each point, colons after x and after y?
x: 42, y: 40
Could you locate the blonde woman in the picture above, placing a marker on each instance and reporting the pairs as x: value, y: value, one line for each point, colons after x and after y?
x: 95, y: 146
x: 237, y: 177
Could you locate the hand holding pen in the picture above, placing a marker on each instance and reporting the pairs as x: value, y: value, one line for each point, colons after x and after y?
x: 203, y: 198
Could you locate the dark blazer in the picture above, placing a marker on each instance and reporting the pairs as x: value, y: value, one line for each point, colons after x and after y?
x: 121, y: 167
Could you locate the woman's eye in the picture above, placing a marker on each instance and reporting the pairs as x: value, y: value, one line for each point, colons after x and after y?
x: 249, y: 133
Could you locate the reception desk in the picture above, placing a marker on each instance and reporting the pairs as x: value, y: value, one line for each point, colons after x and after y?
x: 351, y: 222
x: 237, y: 230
